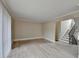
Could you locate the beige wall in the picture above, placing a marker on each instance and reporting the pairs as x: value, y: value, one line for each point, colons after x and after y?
x: 49, y: 31
x: 27, y: 30
x: 24, y: 29
x: 58, y: 30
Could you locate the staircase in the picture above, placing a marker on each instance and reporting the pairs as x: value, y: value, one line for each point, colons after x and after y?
x: 66, y: 36
x: 72, y: 38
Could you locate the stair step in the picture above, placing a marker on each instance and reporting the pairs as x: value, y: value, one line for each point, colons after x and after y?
x: 65, y: 41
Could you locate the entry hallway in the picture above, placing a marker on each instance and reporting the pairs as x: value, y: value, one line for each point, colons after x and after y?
x: 41, y: 48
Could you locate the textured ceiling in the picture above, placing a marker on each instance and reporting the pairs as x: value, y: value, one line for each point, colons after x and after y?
x: 40, y: 10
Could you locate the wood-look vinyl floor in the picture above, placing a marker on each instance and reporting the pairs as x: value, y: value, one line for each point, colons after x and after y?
x: 41, y: 48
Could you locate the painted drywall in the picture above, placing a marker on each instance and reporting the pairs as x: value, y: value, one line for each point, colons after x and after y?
x: 76, y: 34
x: 6, y: 32
x: 58, y: 30
x: 1, y: 52
x: 23, y: 29
x: 49, y: 31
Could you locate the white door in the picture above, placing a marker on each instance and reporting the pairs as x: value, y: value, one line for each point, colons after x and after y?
x: 6, y: 33
x: 1, y: 54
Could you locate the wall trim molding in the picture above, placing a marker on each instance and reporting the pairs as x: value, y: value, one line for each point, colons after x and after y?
x: 22, y: 39
x: 50, y: 40
x: 68, y: 14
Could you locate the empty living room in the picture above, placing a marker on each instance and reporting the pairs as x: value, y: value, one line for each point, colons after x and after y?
x: 39, y: 28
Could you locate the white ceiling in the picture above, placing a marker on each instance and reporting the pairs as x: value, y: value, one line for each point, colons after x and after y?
x: 40, y: 10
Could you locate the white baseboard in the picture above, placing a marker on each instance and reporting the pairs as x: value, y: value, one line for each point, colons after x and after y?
x: 28, y: 38
x: 50, y: 40
x: 34, y: 38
